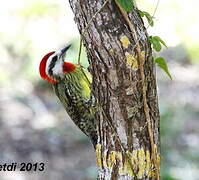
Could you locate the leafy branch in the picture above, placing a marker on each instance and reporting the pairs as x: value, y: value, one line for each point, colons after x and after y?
x: 156, y: 43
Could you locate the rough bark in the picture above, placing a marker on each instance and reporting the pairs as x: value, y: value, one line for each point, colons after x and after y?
x: 125, y: 149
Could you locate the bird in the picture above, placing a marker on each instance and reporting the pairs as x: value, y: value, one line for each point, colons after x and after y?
x: 71, y: 84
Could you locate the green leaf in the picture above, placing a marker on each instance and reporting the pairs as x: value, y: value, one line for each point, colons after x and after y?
x: 160, y: 61
x: 160, y: 40
x: 155, y: 43
x: 141, y: 13
x: 148, y: 17
x: 127, y: 5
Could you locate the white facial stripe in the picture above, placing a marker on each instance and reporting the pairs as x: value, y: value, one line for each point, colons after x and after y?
x: 58, y: 68
x: 48, y: 63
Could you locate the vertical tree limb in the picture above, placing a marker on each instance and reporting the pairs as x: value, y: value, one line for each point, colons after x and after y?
x: 124, y: 85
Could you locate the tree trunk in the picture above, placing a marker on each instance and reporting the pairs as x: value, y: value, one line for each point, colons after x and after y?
x: 124, y: 85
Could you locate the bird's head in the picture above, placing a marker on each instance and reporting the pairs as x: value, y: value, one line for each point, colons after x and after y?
x: 52, y: 66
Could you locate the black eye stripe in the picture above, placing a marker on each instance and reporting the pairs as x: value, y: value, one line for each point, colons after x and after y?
x: 52, y: 64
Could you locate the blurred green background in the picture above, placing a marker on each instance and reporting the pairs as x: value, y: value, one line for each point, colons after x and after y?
x: 35, y: 128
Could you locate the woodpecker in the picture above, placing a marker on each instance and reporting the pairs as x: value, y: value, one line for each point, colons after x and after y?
x: 70, y: 84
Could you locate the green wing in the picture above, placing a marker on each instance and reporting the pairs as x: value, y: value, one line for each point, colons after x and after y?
x: 73, y: 90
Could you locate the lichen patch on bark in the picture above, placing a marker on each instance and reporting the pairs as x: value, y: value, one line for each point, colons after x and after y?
x: 131, y: 164
x: 98, y: 155
x: 131, y: 61
x: 125, y: 41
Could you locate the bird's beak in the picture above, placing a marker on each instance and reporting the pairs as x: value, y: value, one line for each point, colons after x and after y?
x: 63, y: 51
